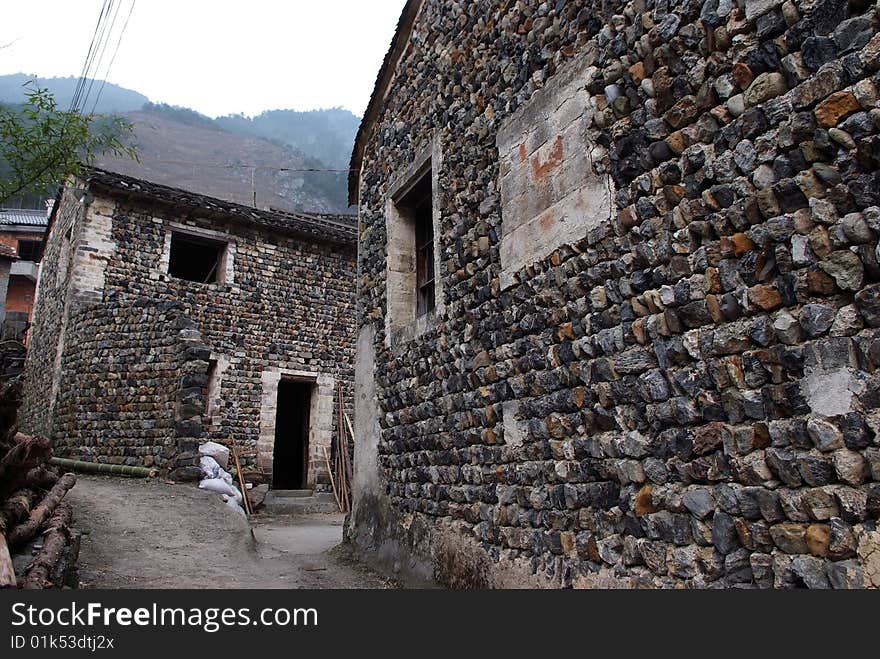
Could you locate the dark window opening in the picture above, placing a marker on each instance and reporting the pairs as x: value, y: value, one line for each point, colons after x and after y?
x: 290, y: 461
x: 195, y: 258
x: 418, y: 203
x: 30, y: 250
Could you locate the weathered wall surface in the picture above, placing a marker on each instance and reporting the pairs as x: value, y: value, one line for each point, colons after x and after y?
x: 20, y: 295
x: 685, y: 395
x: 47, y: 335
x: 5, y: 264
x: 132, y: 373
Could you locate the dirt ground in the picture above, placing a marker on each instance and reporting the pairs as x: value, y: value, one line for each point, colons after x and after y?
x: 150, y: 534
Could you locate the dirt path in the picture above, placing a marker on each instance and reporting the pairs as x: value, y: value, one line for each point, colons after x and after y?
x: 146, y: 534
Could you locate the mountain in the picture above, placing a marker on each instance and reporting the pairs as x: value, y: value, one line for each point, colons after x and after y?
x: 113, y: 97
x: 179, y: 150
x: 180, y: 147
x: 327, y: 135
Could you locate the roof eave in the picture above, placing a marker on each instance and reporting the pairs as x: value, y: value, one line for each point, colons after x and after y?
x: 128, y: 187
x: 383, y: 82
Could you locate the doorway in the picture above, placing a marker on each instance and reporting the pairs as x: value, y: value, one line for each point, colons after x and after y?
x: 290, y: 461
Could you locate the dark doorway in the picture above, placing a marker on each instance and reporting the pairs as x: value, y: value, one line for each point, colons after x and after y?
x: 290, y: 462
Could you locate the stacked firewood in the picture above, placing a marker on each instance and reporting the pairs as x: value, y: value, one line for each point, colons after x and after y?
x: 31, y: 501
x: 340, y: 466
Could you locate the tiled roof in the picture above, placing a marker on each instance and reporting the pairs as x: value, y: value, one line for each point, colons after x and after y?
x: 23, y: 217
x: 336, y: 228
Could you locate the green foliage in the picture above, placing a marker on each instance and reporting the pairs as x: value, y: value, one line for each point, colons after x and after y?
x: 41, y: 144
x: 180, y: 114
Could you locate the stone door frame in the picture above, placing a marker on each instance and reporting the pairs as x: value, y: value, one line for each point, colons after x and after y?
x: 320, y: 421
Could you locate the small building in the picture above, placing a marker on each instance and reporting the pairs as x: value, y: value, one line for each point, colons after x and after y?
x: 619, y: 295
x: 7, y: 260
x: 22, y: 230
x: 166, y: 318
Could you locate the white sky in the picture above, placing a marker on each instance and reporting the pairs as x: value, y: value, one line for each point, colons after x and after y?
x: 214, y: 56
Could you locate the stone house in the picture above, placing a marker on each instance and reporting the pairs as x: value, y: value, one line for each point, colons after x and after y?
x: 618, y: 295
x: 165, y: 318
x: 21, y: 230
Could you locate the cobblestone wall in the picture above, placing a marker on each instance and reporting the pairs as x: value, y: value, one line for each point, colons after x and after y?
x: 135, y: 344
x: 687, y: 394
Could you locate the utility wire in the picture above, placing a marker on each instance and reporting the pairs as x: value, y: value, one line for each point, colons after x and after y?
x: 244, y: 166
x: 106, y: 33
x: 113, y: 58
x: 81, y: 83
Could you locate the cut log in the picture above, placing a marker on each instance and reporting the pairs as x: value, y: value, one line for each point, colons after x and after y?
x: 22, y: 533
x: 41, y: 477
x: 55, y: 541
x: 7, y: 572
x: 17, y: 507
x: 26, y: 453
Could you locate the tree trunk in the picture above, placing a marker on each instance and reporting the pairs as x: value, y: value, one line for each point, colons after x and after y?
x: 17, y: 507
x: 23, y: 463
x: 24, y: 532
x: 55, y: 541
x: 7, y: 572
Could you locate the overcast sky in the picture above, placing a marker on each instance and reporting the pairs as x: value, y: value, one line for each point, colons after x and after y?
x: 214, y: 56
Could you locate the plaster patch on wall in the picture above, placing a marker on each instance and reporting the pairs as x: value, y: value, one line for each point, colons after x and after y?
x: 869, y: 553
x: 93, y: 250
x: 513, y: 431
x: 830, y: 392
x: 550, y: 192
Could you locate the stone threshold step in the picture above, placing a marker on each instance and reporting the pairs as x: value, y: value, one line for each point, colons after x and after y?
x: 289, y: 494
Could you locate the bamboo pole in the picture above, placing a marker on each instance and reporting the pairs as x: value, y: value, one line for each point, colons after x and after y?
x: 351, y: 432
x: 244, y: 499
x: 332, y: 480
x: 341, y: 475
x: 341, y: 450
x: 104, y: 468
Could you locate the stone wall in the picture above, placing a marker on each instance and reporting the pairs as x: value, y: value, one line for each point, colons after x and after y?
x: 684, y: 393
x: 47, y: 335
x: 135, y: 345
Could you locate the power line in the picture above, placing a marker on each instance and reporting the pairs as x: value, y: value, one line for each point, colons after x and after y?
x: 81, y: 83
x: 245, y: 166
x: 113, y: 59
x: 105, y: 39
x: 97, y: 54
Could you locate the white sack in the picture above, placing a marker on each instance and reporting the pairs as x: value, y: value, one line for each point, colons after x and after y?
x: 232, y: 503
x: 220, y: 486
x: 210, y: 469
x: 217, y: 451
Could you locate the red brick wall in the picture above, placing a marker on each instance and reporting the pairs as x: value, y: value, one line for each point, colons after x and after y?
x: 20, y: 295
x: 10, y: 239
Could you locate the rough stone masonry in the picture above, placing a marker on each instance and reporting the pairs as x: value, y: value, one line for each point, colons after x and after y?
x: 130, y: 364
x: 653, y: 360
